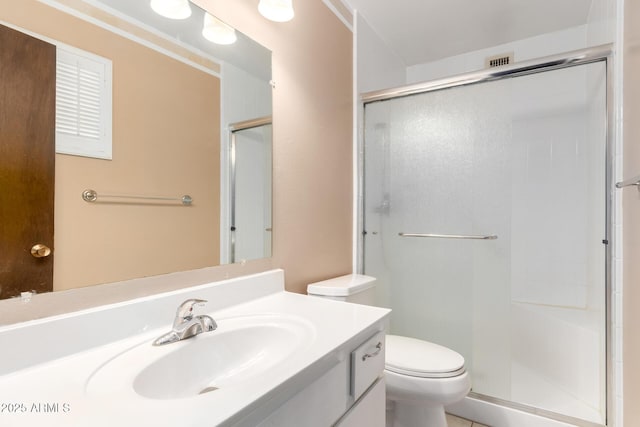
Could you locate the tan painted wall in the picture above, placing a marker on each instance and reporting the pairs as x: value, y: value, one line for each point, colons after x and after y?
x: 166, y: 141
x: 631, y: 214
x: 312, y: 113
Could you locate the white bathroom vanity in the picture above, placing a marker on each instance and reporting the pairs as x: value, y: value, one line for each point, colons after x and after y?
x: 275, y: 359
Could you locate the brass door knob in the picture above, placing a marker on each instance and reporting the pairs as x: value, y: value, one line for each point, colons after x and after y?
x: 40, y: 251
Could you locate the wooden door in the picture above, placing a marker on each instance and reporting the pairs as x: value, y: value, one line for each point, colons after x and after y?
x: 27, y: 159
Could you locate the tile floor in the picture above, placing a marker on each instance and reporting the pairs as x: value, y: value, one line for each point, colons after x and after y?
x: 454, y: 421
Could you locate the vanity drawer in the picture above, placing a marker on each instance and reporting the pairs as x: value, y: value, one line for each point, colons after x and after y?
x: 367, y: 364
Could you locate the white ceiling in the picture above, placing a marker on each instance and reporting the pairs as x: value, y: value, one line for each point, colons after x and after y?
x: 421, y: 31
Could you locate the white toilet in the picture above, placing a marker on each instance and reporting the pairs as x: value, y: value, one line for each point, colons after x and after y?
x: 421, y: 377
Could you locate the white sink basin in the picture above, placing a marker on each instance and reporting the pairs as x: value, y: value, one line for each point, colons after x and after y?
x: 241, y: 350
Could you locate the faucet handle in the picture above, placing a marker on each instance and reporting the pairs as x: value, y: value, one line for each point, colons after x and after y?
x: 185, y: 310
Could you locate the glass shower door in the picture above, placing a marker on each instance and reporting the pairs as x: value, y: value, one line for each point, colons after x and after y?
x: 484, y: 217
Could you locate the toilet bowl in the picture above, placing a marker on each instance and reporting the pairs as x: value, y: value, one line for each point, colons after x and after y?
x: 421, y: 377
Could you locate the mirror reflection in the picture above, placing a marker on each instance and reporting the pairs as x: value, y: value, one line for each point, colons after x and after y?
x: 250, y: 228
x: 144, y: 114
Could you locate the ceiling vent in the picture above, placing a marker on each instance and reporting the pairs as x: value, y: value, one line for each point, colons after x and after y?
x: 499, y: 60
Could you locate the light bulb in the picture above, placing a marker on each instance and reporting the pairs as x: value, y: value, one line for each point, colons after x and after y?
x: 217, y: 31
x: 276, y: 10
x: 172, y: 9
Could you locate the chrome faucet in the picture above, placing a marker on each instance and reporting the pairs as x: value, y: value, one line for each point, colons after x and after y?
x: 186, y: 325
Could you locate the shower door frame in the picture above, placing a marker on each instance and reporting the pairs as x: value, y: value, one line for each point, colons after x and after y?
x: 603, y: 53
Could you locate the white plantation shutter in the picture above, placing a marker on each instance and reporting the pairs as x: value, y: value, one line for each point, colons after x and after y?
x: 83, y: 104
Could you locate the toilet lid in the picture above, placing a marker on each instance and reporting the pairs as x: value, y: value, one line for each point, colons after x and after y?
x: 417, y: 358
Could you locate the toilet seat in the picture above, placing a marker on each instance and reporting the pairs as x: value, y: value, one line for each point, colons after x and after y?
x: 417, y: 358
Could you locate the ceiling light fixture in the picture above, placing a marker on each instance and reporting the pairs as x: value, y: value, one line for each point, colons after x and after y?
x: 217, y: 31
x: 173, y: 9
x: 276, y: 10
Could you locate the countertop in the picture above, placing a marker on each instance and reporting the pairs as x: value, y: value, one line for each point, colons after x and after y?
x: 55, y: 393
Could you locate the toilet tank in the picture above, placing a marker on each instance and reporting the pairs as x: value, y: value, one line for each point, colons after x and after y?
x: 356, y: 288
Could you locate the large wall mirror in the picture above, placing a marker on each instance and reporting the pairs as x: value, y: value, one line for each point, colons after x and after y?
x: 174, y: 99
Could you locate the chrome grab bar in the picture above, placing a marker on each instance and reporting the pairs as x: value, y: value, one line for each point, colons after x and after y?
x: 449, y: 236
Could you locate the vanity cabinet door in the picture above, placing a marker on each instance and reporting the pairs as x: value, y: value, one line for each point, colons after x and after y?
x: 320, y: 404
x: 27, y: 150
x: 369, y: 411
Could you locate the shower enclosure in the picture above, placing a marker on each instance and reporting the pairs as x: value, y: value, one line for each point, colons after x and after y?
x: 485, y: 219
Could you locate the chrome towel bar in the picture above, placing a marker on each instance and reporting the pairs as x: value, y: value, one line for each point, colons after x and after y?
x: 629, y: 182
x: 449, y: 236
x: 92, y: 196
